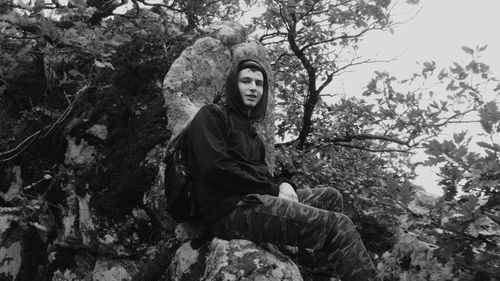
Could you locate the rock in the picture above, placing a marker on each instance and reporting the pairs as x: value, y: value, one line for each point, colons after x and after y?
x: 10, y: 244
x: 79, y: 154
x: 17, y: 246
x: 190, y: 230
x: 154, y: 197
x: 103, y: 270
x: 99, y: 131
x: 198, y: 75
x: 229, y: 32
x: 255, y: 51
x: 231, y: 260
x: 195, y: 78
x: 16, y: 183
x: 111, y: 270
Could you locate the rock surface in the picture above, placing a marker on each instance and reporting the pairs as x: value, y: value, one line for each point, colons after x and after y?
x: 190, y: 230
x: 223, y: 260
x: 198, y: 76
x: 104, y: 162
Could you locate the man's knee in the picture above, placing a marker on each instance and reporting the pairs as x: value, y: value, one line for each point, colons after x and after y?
x: 334, y: 193
x: 343, y: 227
x: 335, y: 198
x: 336, y: 231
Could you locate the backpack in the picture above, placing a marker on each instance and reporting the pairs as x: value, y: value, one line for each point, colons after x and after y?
x: 179, y: 177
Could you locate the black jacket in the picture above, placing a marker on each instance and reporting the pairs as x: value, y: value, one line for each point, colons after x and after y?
x: 228, y: 154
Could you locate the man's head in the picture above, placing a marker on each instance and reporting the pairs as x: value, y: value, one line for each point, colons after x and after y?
x: 251, y: 86
x: 247, y: 89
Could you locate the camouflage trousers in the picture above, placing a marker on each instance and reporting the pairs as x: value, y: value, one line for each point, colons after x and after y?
x: 315, y: 222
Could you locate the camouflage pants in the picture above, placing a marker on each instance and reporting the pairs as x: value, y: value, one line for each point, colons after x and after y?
x: 315, y: 223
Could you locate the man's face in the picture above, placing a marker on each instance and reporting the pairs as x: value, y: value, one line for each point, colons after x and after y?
x: 251, y: 86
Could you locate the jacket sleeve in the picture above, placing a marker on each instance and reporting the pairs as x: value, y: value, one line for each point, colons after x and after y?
x: 207, y: 138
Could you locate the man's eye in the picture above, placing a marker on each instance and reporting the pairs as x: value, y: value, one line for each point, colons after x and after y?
x: 259, y: 83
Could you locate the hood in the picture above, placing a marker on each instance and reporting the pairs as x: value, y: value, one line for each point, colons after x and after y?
x: 234, y: 101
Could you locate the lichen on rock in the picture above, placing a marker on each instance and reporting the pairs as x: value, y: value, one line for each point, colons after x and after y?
x: 230, y: 261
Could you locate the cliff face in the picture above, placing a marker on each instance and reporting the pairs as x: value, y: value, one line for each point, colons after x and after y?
x: 81, y: 182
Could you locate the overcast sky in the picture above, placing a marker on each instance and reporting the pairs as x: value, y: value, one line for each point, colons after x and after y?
x: 437, y: 32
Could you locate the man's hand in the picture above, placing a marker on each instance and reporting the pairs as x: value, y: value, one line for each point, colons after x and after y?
x: 287, y: 192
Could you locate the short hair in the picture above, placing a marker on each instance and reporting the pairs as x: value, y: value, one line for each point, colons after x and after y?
x: 252, y: 65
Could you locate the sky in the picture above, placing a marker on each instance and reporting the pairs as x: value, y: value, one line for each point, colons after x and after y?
x: 433, y: 30
x: 437, y: 31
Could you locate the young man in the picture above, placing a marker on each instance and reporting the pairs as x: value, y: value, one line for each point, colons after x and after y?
x: 239, y: 198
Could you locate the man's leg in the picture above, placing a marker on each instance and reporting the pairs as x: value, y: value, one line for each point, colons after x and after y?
x: 325, y: 198
x: 285, y: 222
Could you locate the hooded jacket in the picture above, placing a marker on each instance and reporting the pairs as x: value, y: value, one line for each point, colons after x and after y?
x: 228, y: 154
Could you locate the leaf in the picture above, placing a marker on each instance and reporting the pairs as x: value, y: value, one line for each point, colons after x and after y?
x: 78, y: 3
x: 75, y: 73
x: 459, y: 137
x: 442, y: 74
x: 38, y: 6
x: 470, y: 204
x: 468, y: 50
x: 497, y: 87
x: 99, y: 64
x: 482, y: 48
x: 39, y: 226
x: 494, y: 147
x: 489, y: 116
x: 103, y: 64
x: 406, y: 195
x: 458, y: 69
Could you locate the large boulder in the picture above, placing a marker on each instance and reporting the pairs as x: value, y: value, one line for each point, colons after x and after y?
x: 95, y: 182
x: 198, y: 75
x: 10, y: 243
x: 197, y: 78
x: 232, y: 260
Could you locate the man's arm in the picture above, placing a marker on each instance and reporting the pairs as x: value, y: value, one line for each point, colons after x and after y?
x: 207, y: 136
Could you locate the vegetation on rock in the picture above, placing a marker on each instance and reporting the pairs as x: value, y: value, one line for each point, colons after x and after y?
x: 85, y: 74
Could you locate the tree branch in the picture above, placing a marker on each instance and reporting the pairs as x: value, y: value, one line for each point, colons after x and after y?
x: 369, y: 149
x: 342, y: 141
x: 366, y: 137
x: 343, y: 37
x: 22, y: 146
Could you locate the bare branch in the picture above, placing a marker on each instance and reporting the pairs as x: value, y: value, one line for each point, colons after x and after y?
x: 171, y: 7
x: 371, y: 150
x: 329, y: 78
x: 272, y: 35
x: 22, y: 146
x: 343, y: 37
x: 349, y: 138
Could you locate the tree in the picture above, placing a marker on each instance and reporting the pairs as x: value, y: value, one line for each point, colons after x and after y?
x: 311, y: 42
x: 308, y: 41
x: 463, y: 224
x: 59, y: 60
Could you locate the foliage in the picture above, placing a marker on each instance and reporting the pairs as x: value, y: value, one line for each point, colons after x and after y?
x: 312, y: 41
x: 58, y: 59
